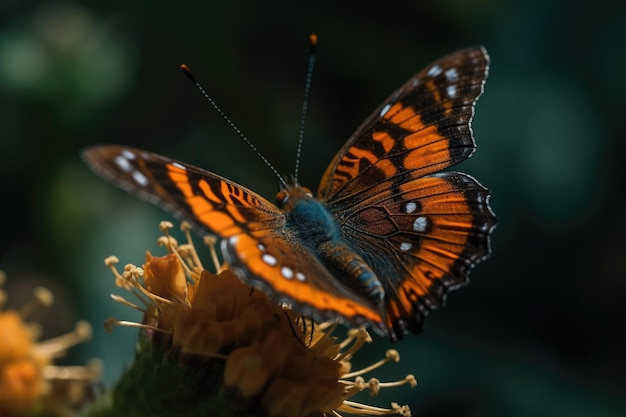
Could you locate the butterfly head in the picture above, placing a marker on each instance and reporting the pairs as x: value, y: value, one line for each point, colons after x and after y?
x: 288, y: 196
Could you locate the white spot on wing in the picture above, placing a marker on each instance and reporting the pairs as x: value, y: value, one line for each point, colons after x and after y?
x: 434, y: 71
x: 451, y: 90
x: 420, y: 224
x: 452, y: 74
x: 410, y: 207
x: 261, y: 247
x: 405, y: 246
x: 286, y: 272
x: 233, y: 240
x: 181, y: 166
x: 139, y: 178
x: 128, y: 155
x: 269, y: 259
x: 123, y: 163
x: 300, y: 276
x: 385, y: 110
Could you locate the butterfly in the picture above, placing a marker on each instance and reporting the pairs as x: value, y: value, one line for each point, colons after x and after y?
x: 389, y: 231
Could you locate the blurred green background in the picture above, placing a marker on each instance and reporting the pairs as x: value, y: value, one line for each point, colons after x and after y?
x: 540, y: 330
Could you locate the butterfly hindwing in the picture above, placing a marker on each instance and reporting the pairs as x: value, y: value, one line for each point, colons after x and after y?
x: 290, y: 273
x: 422, y: 239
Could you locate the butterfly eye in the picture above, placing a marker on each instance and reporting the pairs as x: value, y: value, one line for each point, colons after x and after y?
x: 281, y: 198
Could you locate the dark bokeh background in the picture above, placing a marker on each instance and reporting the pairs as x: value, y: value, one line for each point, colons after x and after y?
x: 540, y: 330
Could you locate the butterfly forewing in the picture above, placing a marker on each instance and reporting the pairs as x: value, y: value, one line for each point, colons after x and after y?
x: 420, y: 129
x: 212, y: 203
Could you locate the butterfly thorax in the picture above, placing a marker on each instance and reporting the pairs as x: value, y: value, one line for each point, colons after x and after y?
x: 307, y: 217
x: 312, y: 225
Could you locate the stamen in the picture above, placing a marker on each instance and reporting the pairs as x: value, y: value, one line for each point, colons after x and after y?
x: 354, y: 387
x: 374, y: 387
x: 409, y: 379
x: 185, y: 227
x: 42, y: 297
x: 364, y: 409
x: 127, y: 303
x: 151, y: 296
x: 111, y: 261
x: 164, y: 226
x: 391, y: 355
x: 187, y: 254
x: 91, y: 372
x: 403, y: 410
x: 168, y: 242
x: 211, y: 241
x: 171, y: 244
x: 112, y: 321
x: 129, y: 280
x: 360, y: 337
x: 328, y: 326
x: 55, y: 346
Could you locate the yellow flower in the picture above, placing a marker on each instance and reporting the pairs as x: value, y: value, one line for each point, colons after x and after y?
x: 267, y: 357
x: 28, y: 379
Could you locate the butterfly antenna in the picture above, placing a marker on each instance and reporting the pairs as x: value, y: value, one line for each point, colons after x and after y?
x: 305, y: 104
x: 189, y: 75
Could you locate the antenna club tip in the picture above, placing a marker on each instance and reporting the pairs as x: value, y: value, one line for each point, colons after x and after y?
x: 184, y: 68
x: 313, y: 40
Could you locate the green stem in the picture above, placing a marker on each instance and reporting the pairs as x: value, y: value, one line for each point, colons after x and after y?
x: 164, y: 384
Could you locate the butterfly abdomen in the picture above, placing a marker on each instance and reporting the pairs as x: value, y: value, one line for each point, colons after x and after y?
x: 316, y: 228
x: 351, y: 269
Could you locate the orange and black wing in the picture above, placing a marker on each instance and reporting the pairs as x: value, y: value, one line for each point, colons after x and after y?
x: 422, y: 238
x: 289, y: 272
x: 420, y: 129
x: 213, y: 204
x: 420, y: 229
